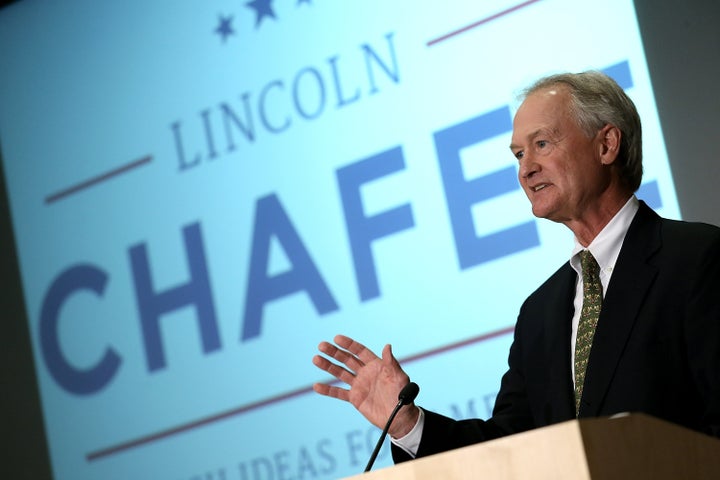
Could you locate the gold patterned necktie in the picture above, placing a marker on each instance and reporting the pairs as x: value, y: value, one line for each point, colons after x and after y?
x: 592, y: 302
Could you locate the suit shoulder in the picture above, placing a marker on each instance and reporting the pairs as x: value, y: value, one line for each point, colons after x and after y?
x: 681, y: 249
x: 680, y: 229
x: 690, y: 237
x: 652, y: 234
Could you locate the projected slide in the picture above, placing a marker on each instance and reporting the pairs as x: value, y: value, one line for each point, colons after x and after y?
x: 201, y: 192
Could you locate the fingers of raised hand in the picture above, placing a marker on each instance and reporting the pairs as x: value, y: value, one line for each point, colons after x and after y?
x: 352, y: 362
x: 356, y: 348
x: 333, y: 369
x: 331, y: 391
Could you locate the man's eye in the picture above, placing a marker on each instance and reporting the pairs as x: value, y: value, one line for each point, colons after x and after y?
x: 519, y: 154
x: 542, y: 143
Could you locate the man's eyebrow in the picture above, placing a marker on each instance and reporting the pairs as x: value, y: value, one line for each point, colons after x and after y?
x: 532, y: 135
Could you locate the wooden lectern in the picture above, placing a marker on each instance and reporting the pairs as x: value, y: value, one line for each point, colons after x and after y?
x: 636, y: 447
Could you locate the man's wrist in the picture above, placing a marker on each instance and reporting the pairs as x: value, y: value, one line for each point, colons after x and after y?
x: 410, y: 442
x: 405, y: 421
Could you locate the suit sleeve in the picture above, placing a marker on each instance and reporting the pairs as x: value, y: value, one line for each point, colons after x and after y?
x: 702, y: 330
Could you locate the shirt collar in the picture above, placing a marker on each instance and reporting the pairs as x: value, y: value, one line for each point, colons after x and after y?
x: 605, y: 247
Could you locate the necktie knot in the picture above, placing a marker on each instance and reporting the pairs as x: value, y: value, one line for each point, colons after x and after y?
x: 590, y: 267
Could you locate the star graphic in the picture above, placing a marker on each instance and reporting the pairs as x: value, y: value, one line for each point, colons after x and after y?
x: 224, y: 28
x: 263, y: 8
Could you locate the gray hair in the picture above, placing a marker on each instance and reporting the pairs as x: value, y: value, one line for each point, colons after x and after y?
x: 597, y: 100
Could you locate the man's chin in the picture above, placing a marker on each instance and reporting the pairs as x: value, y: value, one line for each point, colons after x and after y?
x: 545, y: 213
x: 539, y: 211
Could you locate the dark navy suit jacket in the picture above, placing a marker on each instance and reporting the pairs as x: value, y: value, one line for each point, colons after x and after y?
x: 656, y: 348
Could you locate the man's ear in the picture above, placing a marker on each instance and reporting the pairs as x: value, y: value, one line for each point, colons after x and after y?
x: 609, y: 143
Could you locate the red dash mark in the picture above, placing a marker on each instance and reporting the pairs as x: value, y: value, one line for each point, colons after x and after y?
x: 106, y: 452
x: 138, y: 442
x: 481, y: 22
x: 98, y: 179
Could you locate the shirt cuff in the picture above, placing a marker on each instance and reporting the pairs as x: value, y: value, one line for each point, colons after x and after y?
x: 411, y: 442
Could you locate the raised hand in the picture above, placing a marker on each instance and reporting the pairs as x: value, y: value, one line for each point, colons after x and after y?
x: 374, y: 382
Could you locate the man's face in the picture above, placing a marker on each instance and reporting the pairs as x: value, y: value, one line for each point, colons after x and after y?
x: 560, y: 168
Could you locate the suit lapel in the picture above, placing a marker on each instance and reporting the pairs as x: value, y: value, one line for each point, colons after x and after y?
x: 558, y: 320
x: 631, y: 279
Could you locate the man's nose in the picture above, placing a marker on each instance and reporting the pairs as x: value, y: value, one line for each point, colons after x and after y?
x: 527, y: 166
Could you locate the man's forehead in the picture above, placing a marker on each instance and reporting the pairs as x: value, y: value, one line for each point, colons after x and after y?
x: 541, y: 113
x: 541, y: 109
x: 554, y: 96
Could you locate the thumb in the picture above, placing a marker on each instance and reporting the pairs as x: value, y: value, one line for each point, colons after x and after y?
x: 387, y: 355
x: 389, y: 361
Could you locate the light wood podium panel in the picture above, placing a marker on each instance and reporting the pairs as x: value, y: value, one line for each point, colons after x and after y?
x: 636, y: 447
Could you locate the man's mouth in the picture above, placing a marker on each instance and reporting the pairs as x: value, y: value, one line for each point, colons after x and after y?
x: 537, y: 188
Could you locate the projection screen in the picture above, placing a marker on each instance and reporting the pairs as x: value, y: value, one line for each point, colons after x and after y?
x: 202, y: 192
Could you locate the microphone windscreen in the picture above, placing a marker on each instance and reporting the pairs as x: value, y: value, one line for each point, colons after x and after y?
x: 408, y: 393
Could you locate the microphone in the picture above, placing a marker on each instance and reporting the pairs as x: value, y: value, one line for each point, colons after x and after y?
x: 406, y: 396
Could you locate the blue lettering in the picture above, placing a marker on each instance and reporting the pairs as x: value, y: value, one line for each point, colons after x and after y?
x: 462, y: 194
x: 363, y: 230
x: 282, y: 464
x: 247, y: 128
x: 272, y: 220
x: 262, y: 468
x: 320, y: 95
x: 370, y: 55
x: 650, y: 193
x: 620, y: 72
x: 152, y: 304
x: 356, y: 447
x: 74, y: 380
x: 262, y: 109
x: 323, y: 448
x: 212, y: 153
x: 177, y: 135
x: 341, y: 100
